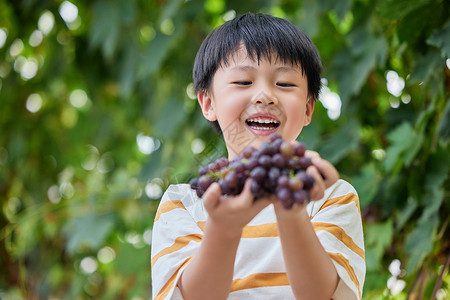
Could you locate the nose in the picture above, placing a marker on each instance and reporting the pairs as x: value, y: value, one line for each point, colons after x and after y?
x: 264, y: 98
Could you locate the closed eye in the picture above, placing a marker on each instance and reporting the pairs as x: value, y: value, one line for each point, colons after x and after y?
x: 243, y: 82
x: 285, y: 84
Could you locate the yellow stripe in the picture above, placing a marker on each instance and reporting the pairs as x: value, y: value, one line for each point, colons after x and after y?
x: 346, y: 199
x: 168, y: 206
x: 259, y: 280
x: 337, y: 257
x: 180, y: 242
x: 256, y: 231
x: 169, y: 284
x: 340, y: 234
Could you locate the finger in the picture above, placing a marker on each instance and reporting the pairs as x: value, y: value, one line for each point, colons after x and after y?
x: 312, y: 154
x: 329, y: 172
x: 318, y: 190
x: 212, y: 196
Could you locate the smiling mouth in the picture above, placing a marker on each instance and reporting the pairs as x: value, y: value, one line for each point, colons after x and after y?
x: 262, y: 123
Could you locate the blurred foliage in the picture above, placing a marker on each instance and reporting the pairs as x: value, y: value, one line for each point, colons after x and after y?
x: 97, y: 119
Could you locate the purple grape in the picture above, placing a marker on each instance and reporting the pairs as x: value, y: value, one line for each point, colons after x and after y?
x: 274, y: 174
x: 299, y: 149
x: 305, y: 162
x: 278, y: 160
x: 248, y: 151
x: 255, y: 188
x: 251, y: 163
x: 258, y: 174
x: 222, y: 162
x: 308, y: 180
x: 239, y: 167
x: 202, y: 170
x: 285, y: 197
x: 204, y: 182
x: 264, y: 150
x: 232, y: 180
x: 295, y: 183
x: 293, y: 163
x: 194, y: 183
x: 275, y: 145
x: 287, y: 149
x: 301, y: 197
x: 199, y: 193
x: 283, y: 181
x: 265, y: 161
x: 274, y: 136
x: 224, y: 187
x: 213, y: 167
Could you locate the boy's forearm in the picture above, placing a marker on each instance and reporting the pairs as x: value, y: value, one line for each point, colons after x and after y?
x: 210, y: 273
x: 310, y: 270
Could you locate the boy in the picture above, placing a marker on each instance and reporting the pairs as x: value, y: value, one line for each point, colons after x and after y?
x: 256, y: 75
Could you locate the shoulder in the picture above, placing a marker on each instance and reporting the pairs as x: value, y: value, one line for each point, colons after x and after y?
x: 183, y: 197
x: 340, y: 193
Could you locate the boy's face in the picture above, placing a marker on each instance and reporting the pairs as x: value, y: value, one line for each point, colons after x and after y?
x: 251, y: 100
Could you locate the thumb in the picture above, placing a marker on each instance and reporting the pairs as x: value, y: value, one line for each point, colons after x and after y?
x: 212, y: 196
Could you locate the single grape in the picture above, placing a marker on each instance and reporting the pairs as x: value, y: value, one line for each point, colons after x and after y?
x: 194, y: 183
x: 293, y: 163
x: 248, y: 151
x: 258, y: 174
x: 202, y: 170
x: 274, y: 136
x: 295, y: 183
x: 274, y: 174
x: 301, y: 197
x: 222, y: 162
x: 232, y: 180
x: 264, y: 149
x: 283, y: 181
x: 224, y: 187
x: 204, y: 182
x: 308, y: 180
x: 305, y: 162
x: 287, y: 149
x: 265, y: 161
x: 213, y: 167
x: 239, y: 167
x: 199, y: 193
x: 285, y: 197
x: 251, y: 163
x: 255, y: 188
x: 278, y: 160
x: 300, y: 149
x: 276, y: 145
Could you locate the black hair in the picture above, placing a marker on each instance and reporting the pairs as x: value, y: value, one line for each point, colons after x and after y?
x: 262, y: 36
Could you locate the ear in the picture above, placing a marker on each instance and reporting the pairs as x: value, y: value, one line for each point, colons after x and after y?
x: 205, y: 101
x: 309, y: 110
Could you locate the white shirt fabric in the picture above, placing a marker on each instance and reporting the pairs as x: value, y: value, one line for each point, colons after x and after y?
x: 259, y: 271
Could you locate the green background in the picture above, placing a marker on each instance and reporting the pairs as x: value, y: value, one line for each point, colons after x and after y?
x: 97, y: 119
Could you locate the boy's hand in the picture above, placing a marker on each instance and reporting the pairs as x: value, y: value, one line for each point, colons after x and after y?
x: 231, y: 214
x: 324, y: 173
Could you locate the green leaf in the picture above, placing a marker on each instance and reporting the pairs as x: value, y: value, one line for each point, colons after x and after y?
x: 106, y: 27
x: 406, y: 212
x: 341, y: 143
x: 378, y: 236
x: 170, y: 118
x: 398, y: 9
x: 88, y: 231
x: 404, y: 140
x: 426, y: 65
x: 420, y: 242
x: 444, y: 123
x: 366, y: 184
x: 131, y: 260
x: 441, y: 39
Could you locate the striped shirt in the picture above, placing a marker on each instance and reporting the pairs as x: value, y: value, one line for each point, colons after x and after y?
x: 259, y: 271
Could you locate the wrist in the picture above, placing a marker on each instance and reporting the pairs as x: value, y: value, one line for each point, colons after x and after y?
x: 222, y: 230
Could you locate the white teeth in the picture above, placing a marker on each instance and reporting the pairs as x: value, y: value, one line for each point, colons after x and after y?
x: 265, y: 121
x: 261, y: 128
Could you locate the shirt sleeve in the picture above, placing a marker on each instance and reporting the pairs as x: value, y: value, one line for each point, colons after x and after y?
x: 172, y: 246
x: 338, y: 225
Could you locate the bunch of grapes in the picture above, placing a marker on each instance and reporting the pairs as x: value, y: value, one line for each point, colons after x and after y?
x: 278, y: 168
